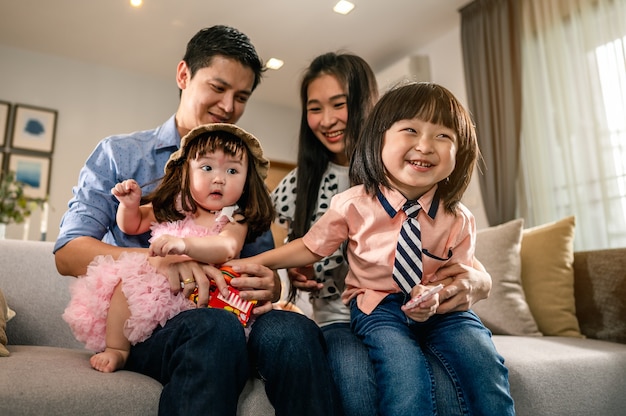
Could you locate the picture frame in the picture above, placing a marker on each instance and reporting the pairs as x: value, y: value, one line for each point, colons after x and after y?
x: 5, y: 110
x: 32, y: 169
x: 34, y: 128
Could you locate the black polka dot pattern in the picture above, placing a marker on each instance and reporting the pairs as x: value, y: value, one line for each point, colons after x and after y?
x: 284, y: 197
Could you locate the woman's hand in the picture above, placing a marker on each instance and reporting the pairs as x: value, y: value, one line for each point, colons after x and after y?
x: 184, y: 274
x: 464, y: 286
x: 303, y: 278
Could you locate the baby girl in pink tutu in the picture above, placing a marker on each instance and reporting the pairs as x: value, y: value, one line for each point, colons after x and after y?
x: 212, y: 200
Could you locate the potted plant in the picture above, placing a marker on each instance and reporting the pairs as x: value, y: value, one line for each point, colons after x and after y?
x: 15, y: 206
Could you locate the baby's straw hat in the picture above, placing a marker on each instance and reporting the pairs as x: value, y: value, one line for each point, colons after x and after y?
x: 261, y: 164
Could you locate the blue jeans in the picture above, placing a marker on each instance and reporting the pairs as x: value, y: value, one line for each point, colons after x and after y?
x: 353, y: 374
x: 203, y: 361
x: 287, y: 351
x: 399, y: 347
x: 352, y: 371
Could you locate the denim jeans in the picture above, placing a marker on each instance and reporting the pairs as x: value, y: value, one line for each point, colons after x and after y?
x: 352, y: 371
x: 287, y: 351
x: 202, y: 359
x: 353, y: 374
x: 398, y: 348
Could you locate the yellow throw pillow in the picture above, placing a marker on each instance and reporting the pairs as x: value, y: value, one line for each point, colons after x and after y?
x: 548, y: 276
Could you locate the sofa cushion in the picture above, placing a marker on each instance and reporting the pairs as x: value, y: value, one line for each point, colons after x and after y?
x: 60, y: 381
x: 600, y: 305
x: 505, y: 312
x: 564, y: 375
x: 548, y: 276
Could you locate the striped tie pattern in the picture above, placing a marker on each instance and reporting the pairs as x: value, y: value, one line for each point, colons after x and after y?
x: 407, y: 268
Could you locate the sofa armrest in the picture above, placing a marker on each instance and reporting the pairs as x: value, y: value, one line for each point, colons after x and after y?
x: 600, y: 291
x: 36, y: 292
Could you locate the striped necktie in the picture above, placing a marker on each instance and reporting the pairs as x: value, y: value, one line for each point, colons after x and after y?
x: 407, y: 268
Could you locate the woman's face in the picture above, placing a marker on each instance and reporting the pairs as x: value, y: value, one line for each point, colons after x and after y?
x: 327, y: 114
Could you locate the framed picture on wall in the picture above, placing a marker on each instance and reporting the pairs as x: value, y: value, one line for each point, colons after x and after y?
x: 33, y: 170
x: 33, y: 128
x: 4, y: 122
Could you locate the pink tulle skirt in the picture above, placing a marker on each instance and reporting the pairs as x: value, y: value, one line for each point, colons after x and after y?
x: 150, y: 299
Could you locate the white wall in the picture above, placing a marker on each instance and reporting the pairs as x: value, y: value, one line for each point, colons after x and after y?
x: 94, y: 102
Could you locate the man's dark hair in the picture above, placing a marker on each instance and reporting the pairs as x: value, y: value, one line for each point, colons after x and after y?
x: 224, y: 41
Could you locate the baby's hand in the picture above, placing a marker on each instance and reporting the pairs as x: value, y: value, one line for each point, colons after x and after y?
x: 422, y: 310
x: 167, y: 244
x: 128, y: 192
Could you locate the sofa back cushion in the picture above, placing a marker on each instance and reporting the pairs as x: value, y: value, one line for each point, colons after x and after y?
x: 600, y: 289
x: 37, y: 294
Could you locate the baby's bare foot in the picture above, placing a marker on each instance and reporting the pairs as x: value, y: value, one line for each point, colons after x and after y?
x: 109, y: 360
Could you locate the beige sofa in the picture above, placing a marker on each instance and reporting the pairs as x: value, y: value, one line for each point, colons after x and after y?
x: 48, y: 372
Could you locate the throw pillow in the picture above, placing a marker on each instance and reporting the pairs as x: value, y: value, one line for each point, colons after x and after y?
x: 505, y: 312
x: 600, y: 290
x: 4, y: 317
x: 548, y: 276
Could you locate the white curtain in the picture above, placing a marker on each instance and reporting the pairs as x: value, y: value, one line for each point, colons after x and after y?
x: 573, y: 141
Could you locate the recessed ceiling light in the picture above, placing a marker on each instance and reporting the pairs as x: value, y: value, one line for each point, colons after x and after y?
x: 343, y: 7
x: 135, y: 3
x: 274, y: 63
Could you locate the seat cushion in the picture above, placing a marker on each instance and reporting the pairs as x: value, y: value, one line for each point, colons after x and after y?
x: 564, y: 376
x: 60, y: 381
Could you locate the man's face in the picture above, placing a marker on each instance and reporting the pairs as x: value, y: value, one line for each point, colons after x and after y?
x: 216, y: 94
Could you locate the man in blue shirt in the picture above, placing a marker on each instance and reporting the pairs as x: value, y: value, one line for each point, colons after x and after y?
x: 201, y: 356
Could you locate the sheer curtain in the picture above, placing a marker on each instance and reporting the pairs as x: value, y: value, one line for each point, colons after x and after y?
x: 573, y: 139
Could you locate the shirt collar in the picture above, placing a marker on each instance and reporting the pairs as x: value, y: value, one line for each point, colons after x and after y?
x: 167, y: 135
x: 393, y: 201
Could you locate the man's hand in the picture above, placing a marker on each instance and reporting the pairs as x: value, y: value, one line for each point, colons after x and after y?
x: 464, y: 286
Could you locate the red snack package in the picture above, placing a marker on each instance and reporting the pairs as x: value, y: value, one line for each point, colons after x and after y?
x: 233, y: 303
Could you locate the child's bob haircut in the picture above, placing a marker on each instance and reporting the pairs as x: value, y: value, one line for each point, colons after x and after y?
x: 254, y: 204
x: 428, y: 102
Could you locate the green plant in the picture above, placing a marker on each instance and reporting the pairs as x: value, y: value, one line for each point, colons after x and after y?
x: 15, y: 206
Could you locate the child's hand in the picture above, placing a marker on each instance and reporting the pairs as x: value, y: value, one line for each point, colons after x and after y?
x: 167, y: 244
x: 423, y: 310
x: 128, y: 193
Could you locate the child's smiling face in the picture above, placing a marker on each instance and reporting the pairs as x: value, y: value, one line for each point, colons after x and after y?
x: 417, y: 155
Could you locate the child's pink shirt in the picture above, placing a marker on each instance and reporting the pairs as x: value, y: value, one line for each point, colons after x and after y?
x: 372, y: 225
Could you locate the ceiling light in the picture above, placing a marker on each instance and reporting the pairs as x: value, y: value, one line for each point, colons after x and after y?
x: 135, y: 3
x: 343, y: 7
x: 274, y: 63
